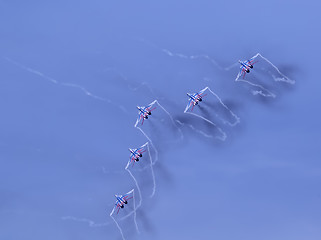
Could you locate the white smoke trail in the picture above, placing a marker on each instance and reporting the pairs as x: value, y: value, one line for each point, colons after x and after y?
x: 126, y: 216
x: 268, y: 93
x: 237, y: 119
x: 284, y: 78
x: 91, y: 223
x: 65, y: 84
x: 152, y: 173
x: 171, y: 118
x: 223, y: 137
x: 194, y: 129
x: 147, y: 137
x: 258, y: 92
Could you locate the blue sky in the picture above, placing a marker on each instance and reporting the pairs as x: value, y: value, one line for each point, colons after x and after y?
x: 72, y: 74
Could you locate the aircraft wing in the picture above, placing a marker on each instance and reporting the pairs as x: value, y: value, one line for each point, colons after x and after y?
x: 149, y: 108
x: 190, y: 102
x: 132, y: 157
x: 126, y: 197
x: 251, y: 61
